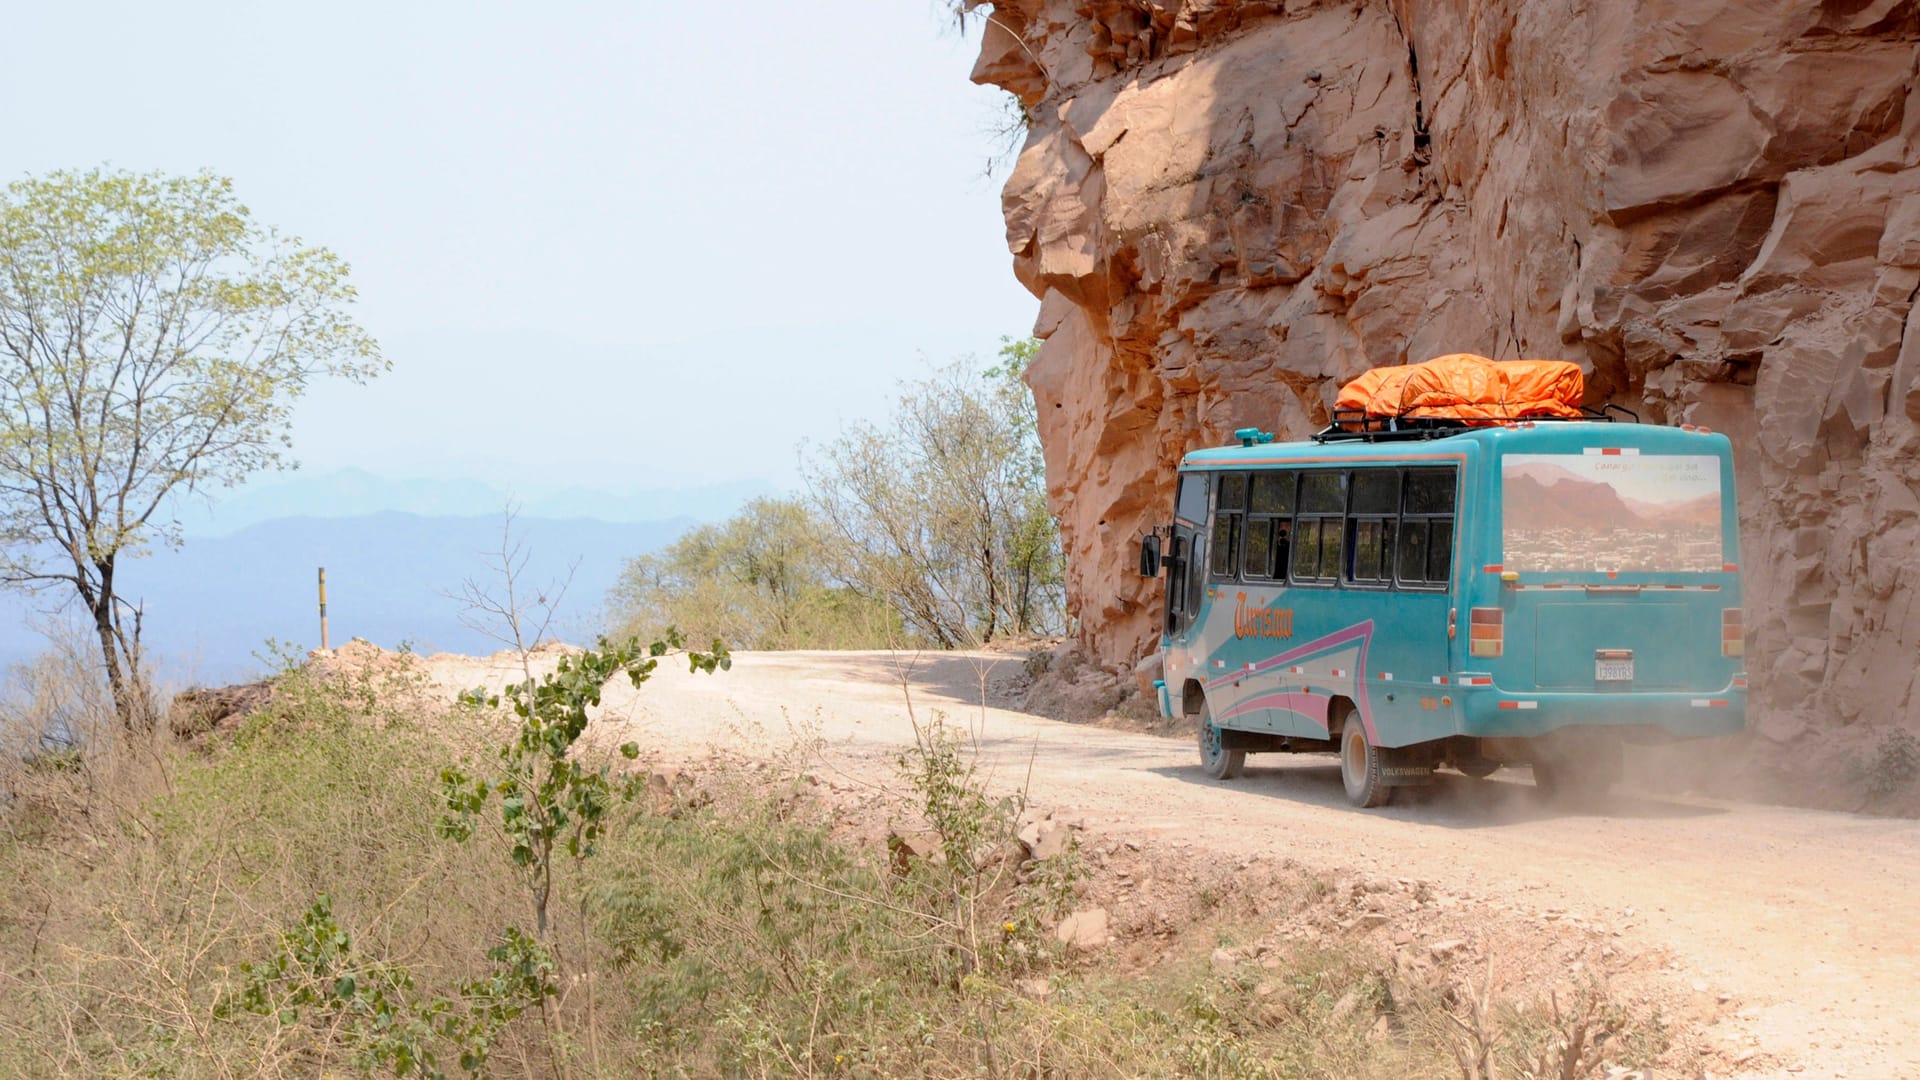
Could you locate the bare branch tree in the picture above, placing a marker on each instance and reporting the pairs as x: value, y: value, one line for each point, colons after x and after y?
x: 510, y: 615
x: 153, y: 342
x: 943, y: 514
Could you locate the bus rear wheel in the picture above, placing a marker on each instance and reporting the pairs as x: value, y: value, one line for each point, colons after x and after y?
x: 1216, y: 760
x: 1360, y: 763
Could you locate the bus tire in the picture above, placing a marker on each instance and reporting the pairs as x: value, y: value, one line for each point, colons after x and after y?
x: 1216, y: 760
x: 1360, y: 763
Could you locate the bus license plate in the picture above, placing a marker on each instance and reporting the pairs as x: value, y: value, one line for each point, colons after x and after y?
x: 1613, y: 670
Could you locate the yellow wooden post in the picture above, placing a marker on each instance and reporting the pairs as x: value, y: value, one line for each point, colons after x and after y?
x: 323, y: 607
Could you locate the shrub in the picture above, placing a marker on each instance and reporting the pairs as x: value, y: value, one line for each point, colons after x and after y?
x: 1893, y: 764
x: 180, y: 880
x: 763, y: 579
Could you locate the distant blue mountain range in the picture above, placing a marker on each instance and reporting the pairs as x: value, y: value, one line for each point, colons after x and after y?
x: 211, y: 604
x: 356, y: 492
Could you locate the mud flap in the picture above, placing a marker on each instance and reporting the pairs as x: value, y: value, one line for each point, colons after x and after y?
x: 1406, y: 766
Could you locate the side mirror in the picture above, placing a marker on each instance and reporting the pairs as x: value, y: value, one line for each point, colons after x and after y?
x: 1150, y: 556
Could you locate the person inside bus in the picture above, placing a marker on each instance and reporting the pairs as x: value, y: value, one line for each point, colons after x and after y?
x: 1281, y: 547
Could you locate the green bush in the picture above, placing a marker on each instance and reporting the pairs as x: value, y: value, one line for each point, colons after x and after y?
x: 762, y: 579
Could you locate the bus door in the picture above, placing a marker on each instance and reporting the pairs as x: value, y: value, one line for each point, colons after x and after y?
x: 1403, y: 538
x: 1186, y: 554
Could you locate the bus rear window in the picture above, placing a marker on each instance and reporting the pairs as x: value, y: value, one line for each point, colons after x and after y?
x: 1611, y: 512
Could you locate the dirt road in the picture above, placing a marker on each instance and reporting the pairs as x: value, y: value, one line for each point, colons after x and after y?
x: 1796, y: 928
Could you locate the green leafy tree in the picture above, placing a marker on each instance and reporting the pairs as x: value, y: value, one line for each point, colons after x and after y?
x: 1016, y: 354
x: 551, y: 803
x: 762, y: 580
x: 153, y: 341
x: 942, y: 514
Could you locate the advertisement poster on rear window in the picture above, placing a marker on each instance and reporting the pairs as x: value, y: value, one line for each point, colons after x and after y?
x: 1611, y: 512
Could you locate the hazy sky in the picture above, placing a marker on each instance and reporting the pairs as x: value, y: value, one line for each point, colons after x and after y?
x: 646, y: 242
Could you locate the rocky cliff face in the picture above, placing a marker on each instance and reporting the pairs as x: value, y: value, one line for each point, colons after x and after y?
x: 1230, y: 206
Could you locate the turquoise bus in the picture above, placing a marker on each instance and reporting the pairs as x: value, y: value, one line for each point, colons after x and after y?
x: 1534, y: 593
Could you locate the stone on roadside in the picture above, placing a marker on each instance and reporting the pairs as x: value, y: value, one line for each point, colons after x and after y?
x: 1045, y: 839
x: 1781, y: 727
x: 1145, y: 673
x: 1037, y: 988
x: 907, y: 848
x: 1084, y: 929
x: 663, y: 784
x: 1345, y: 1007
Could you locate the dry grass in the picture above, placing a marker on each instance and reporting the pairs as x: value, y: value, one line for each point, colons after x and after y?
x: 726, y: 930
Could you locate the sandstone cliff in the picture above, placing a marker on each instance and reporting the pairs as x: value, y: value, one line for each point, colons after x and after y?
x: 1229, y: 206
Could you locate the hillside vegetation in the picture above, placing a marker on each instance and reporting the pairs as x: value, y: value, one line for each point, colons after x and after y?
x: 931, y: 529
x: 363, y: 879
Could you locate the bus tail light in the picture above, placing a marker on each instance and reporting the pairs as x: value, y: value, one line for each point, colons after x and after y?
x: 1732, y: 640
x: 1488, y: 632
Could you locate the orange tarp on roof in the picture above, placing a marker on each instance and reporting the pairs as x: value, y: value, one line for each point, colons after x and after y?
x: 1462, y: 386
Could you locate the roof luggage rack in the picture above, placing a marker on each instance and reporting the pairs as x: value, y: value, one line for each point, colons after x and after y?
x: 1357, y: 426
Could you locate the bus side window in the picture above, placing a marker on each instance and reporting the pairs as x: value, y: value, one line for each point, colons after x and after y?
x: 1226, y: 541
x: 1258, y: 561
x: 1229, y: 510
x: 1318, y: 529
x: 1374, y: 512
x: 1370, y: 542
x: 1440, y: 552
x: 1413, y: 552
x: 1306, y: 549
x: 1330, y: 545
x: 1426, y: 528
x: 1269, y: 524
